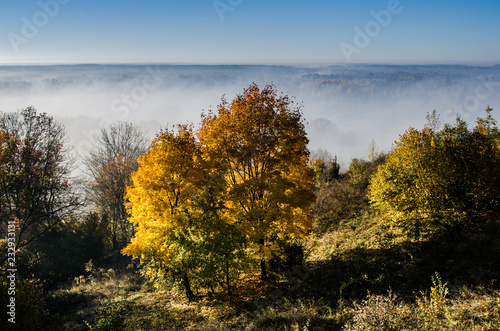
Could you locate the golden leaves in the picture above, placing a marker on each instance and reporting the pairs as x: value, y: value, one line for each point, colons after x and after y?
x: 259, y: 143
x: 198, y: 201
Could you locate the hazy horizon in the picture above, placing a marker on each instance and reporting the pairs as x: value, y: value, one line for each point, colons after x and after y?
x: 346, y: 106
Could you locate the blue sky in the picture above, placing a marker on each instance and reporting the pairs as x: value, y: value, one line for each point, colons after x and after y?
x: 249, y: 32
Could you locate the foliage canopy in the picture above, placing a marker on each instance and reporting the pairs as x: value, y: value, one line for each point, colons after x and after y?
x: 259, y: 143
x: 203, y: 205
x: 173, y: 204
x: 441, y: 178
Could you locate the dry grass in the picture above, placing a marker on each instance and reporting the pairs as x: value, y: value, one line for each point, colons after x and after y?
x: 344, y: 264
x: 363, y: 232
x: 470, y: 310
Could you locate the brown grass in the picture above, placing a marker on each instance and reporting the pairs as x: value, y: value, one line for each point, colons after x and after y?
x: 349, y: 271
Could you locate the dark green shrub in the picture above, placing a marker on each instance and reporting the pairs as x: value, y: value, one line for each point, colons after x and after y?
x: 29, y: 304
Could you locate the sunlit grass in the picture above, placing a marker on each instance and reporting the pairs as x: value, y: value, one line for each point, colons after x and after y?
x: 364, y: 232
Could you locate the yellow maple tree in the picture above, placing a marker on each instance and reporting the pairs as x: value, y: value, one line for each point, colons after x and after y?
x: 179, y: 230
x: 158, y: 201
x: 258, y: 142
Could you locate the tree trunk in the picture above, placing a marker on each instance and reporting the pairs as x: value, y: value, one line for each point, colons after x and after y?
x: 189, y: 293
x: 113, y: 225
x: 228, y: 284
x: 263, y: 269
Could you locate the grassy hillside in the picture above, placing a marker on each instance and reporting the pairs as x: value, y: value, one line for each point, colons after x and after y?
x: 357, y: 275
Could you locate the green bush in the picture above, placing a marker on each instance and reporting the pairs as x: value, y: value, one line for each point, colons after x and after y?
x: 345, y: 196
x: 110, y: 319
x: 441, y: 179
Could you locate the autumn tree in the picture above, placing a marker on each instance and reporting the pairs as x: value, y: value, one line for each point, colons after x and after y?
x: 8, y: 146
x: 109, y: 166
x: 436, y: 178
x: 174, y: 205
x: 35, y: 184
x: 258, y: 142
x: 202, y: 204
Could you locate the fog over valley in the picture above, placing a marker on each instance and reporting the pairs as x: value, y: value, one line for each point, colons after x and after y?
x: 345, y: 106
